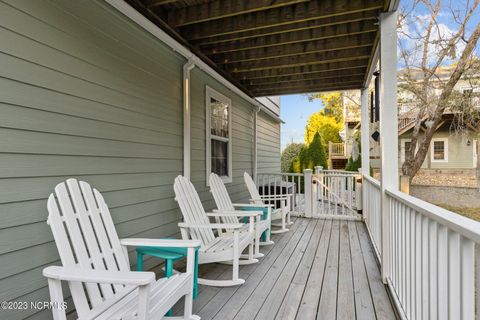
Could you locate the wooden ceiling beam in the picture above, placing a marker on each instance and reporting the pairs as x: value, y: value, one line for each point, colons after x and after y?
x: 306, y: 77
x: 308, y: 69
x: 323, y: 45
x: 220, y: 9
x: 308, y: 84
x: 210, y: 33
x: 156, y: 3
x: 286, y: 91
x: 298, y: 61
x: 287, y: 38
x: 300, y: 12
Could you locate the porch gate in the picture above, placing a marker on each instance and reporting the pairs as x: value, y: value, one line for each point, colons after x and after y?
x: 335, y: 194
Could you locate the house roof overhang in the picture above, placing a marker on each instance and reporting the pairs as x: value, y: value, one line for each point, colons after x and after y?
x: 276, y: 47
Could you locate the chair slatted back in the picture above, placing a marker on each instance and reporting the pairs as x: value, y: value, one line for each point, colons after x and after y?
x: 221, y: 197
x: 85, y: 237
x: 252, y: 189
x: 192, y: 209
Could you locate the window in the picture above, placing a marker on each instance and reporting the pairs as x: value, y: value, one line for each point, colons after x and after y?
x: 218, y: 144
x: 439, y: 150
x: 405, y: 145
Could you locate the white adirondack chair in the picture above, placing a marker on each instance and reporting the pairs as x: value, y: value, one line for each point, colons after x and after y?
x: 96, y: 267
x: 225, y: 205
x: 282, y: 213
x: 224, y: 247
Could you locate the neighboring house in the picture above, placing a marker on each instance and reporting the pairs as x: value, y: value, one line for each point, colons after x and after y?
x: 87, y: 93
x: 448, y: 150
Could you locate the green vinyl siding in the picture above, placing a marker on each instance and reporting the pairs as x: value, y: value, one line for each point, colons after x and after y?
x: 460, y: 155
x: 268, y: 145
x: 86, y: 93
x: 242, y: 139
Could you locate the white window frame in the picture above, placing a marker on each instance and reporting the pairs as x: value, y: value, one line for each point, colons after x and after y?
x: 475, y: 154
x: 403, y: 151
x: 211, y: 93
x: 445, y: 143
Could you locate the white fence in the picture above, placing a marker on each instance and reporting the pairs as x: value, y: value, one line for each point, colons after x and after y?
x: 335, y: 194
x: 433, y: 270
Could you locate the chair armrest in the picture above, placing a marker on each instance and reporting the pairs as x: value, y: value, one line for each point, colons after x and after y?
x: 236, y: 213
x: 166, y: 243
x: 211, y: 225
x: 136, y: 278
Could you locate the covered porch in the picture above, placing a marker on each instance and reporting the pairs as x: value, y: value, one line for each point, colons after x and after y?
x: 321, y: 269
x: 129, y: 108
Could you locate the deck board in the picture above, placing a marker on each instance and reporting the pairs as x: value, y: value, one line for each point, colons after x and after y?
x: 321, y: 269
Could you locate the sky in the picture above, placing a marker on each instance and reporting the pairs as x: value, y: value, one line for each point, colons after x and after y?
x: 295, y: 110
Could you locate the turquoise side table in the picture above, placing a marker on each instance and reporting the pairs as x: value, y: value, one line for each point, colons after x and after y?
x: 170, y: 255
x: 264, y: 217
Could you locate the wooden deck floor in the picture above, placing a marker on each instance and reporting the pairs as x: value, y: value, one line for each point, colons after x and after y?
x: 321, y: 269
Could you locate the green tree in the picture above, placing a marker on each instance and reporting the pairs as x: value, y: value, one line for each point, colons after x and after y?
x: 316, y: 153
x: 290, y: 152
x: 326, y: 126
x: 303, y: 158
x: 354, y: 165
x: 332, y: 102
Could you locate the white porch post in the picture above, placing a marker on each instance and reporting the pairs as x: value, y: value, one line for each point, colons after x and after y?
x: 365, y: 142
x: 308, y: 192
x: 365, y: 132
x: 255, y: 142
x: 388, y: 125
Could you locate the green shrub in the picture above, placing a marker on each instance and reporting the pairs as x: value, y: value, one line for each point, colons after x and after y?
x: 289, y: 154
x: 317, y: 155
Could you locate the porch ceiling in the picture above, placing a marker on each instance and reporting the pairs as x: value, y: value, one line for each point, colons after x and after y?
x: 274, y: 47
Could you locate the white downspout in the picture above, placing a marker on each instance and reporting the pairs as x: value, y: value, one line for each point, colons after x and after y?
x: 255, y: 139
x: 187, y: 67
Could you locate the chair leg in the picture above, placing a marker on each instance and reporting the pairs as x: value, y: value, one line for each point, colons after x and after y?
x: 256, y: 253
x: 187, y: 312
x: 267, y: 241
x: 168, y: 274
x: 283, y: 227
x: 139, y: 261
x: 235, y: 268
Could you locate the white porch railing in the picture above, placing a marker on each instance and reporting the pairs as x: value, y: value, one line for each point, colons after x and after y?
x: 372, y: 211
x: 433, y: 255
